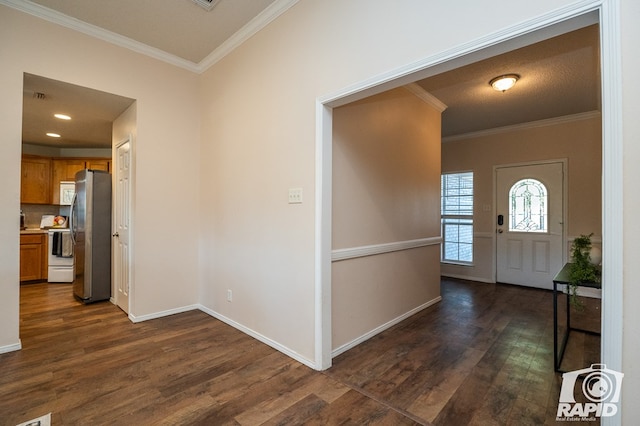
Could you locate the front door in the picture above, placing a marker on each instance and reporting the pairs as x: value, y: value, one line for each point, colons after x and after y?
x: 530, y: 223
x: 122, y: 224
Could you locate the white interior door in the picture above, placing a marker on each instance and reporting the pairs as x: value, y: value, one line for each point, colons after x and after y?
x: 121, y: 244
x: 530, y: 224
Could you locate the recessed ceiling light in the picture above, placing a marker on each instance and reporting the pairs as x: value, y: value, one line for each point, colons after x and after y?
x: 62, y: 116
x: 53, y: 135
x: 504, y: 82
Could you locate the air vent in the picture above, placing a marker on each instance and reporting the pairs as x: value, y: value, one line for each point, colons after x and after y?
x: 39, y: 95
x: 206, y: 4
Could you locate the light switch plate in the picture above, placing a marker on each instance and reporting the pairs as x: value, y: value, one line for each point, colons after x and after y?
x: 295, y: 195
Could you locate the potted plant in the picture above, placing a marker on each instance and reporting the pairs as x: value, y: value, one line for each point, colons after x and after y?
x: 582, y: 268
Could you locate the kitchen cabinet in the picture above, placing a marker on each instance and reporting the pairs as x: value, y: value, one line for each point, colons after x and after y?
x: 41, y: 176
x: 64, y: 169
x: 35, y: 182
x: 99, y: 164
x: 33, y: 257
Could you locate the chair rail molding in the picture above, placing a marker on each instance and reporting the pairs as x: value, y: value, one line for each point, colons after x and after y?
x: 375, y: 249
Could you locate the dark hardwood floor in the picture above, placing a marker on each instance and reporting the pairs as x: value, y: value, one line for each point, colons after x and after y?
x: 482, y: 356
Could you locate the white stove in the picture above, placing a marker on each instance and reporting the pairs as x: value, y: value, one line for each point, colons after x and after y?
x: 61, y: 258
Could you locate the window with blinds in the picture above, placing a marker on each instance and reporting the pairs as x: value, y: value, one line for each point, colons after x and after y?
x: 456, y: 193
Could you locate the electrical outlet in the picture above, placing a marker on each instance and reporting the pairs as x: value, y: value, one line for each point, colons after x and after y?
x: 229, y: 295
x: 295, y: 195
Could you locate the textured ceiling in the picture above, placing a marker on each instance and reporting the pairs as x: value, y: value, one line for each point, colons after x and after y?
x: 559, y: 76
x: 178, y: 27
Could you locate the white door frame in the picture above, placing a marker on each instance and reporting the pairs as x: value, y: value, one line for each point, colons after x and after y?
x: 129, y: 140
x: 565, y: 210
x: 612, y: 158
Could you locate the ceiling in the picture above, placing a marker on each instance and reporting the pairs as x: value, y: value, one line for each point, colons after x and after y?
x: 558, y: 77
x: 179, y: 27
x: 92, y: 113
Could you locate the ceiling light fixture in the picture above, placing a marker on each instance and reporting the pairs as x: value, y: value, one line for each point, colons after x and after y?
x: 504, y: 82
x: 53, y: 135
x: 62, y: 116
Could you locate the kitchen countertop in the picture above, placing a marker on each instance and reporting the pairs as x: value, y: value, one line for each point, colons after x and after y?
x: 33, y: 231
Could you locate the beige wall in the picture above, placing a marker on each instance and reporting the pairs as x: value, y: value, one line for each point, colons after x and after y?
x: 578, y: 141
x: 386, y: 170
x: 371, y: 293
x: 386, y: 189
x: 50, y: 151
x: 258, y: 140
x: 166, y: 166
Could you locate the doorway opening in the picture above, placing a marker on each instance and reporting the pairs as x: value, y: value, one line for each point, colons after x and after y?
x: 557, y: 22
x: 86, y: 123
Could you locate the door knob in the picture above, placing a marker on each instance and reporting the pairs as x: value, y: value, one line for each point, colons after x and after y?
x: 500, y: 231
x: 116, y: 235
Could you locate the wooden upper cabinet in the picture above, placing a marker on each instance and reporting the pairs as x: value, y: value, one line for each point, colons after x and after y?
x: 41, y: 176
x: 64, y: 170
x: 35, y: 183
x: 99, y: 164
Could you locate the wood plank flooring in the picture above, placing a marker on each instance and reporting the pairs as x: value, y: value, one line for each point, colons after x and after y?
x: 482, y: 356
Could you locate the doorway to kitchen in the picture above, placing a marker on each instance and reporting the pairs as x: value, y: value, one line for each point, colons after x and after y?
x: 92, y: 122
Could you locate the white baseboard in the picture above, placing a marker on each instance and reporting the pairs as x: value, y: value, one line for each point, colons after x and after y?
x: 11, y: 348
x: 230, y: 322
x: 468, y: 278
x: 382, y: 328
x: 267, y: 341
x: 161, y: 314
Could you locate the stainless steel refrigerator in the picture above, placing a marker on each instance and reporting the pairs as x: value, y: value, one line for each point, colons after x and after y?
x: 90, y: 223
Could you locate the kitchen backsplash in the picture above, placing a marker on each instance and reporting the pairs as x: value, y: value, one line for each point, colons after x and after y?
x: 33, y: 213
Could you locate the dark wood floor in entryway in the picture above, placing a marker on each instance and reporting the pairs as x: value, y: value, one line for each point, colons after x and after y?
x: 482, y: 356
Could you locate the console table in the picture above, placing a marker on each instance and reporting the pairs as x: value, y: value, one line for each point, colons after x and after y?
x: 562, y: 278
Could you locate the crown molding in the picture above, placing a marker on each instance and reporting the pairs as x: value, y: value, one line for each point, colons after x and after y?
x: 523, y: 126
x: 276, y: 9
x: 56, y: 17
x: 425, y: 96
x: 268, y: 15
